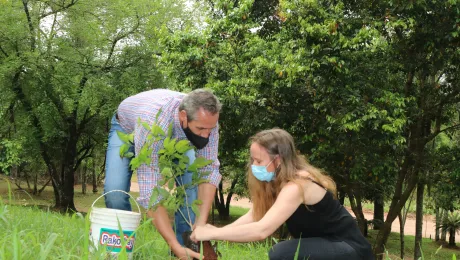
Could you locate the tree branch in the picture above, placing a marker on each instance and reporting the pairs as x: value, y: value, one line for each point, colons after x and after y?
x: 29, y: 22
x: 3, y: 51
x: 87, y: 151
x: 60, y: 9
x: 117, y: 39
x: 438, y: 131
x: 230, y: 194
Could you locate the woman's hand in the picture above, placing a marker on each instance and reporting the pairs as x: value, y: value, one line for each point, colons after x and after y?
x: 202, y: 233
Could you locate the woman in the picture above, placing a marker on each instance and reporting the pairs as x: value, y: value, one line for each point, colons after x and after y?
x: 284, y: 188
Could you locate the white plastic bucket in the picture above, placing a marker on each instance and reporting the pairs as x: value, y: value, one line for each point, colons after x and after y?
x: 105, y: 231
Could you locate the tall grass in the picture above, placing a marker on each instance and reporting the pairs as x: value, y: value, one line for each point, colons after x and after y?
x: 31, y: 233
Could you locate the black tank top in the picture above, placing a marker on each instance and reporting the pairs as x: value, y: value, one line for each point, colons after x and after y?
x: 328, y: 219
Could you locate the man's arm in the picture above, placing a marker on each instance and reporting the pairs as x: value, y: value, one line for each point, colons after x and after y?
x: 206, y: 192
x: 162, y: 223
x: 148, y: 178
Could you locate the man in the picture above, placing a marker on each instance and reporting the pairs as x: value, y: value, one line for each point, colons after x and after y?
x: 194, y: 117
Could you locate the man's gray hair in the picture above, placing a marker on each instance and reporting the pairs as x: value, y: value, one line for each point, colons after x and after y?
x: 199, y: 98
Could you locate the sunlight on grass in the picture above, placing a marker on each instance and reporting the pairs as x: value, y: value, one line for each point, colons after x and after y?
x: 39, y: 233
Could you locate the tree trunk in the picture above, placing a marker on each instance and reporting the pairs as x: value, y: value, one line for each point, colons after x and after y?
x: 223, y: 205
x: 14, y: 172
x: 451, y: 237
x: 219, y: 202
x: 341, y: 196
x: 396, y: 205
x: 419, y: 221
x: 438, y: 223
x: 356, y: 207
x: 66, y: 192
x: 35, y: 192
x: 378, y: 210
x: 57, y: 198
x: 94, y: 175
x: 83, y: 177
x: 402, y: 222
x: 444, y: 231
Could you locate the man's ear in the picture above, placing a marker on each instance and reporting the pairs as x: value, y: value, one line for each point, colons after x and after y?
x: 183, y: 118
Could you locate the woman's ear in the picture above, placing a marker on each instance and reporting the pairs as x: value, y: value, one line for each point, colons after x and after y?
x: 278, y: 161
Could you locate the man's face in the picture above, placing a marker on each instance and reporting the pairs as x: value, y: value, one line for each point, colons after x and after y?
x: 202, y: 125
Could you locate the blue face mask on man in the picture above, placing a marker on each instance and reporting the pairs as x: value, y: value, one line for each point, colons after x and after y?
x: 261, y: 173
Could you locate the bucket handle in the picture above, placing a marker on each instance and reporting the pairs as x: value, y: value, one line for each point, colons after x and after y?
x: 119, y: 191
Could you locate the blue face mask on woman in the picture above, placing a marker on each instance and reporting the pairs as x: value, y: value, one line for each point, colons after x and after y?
x: 261, y: 173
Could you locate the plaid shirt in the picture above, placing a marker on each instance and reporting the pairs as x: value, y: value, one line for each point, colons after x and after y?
x: 145, y: 106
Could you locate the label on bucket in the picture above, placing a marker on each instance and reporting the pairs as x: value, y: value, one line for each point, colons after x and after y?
x: 111, y: 238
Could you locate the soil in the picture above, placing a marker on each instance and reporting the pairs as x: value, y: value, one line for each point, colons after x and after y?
x: 208, y: 250
x: 428, y: 229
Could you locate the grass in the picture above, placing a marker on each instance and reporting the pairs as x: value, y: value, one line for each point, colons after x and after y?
x: 40, y: 233
x: 429, y: 247
x: 32, y: 233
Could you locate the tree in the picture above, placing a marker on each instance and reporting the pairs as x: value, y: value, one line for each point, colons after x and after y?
x: 63, y: 65
x: 451, y: 224
x: 355, y: 82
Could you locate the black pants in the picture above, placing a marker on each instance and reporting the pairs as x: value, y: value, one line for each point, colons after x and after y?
x: 313, y: 248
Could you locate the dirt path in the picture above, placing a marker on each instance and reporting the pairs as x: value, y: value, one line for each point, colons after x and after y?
x: 409, y: 227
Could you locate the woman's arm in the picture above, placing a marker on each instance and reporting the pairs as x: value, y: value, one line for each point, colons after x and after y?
x: 245, y: 219
x: 285, y: 205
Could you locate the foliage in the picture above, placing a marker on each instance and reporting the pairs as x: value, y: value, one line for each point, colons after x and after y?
x: 65, y: 66
x: 451, y: 224
x: 172, y: 162
x: 10, y: 151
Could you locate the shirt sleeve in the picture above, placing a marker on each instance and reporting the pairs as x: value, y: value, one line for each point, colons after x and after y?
x: 210, y: 152
x: 148, y: 175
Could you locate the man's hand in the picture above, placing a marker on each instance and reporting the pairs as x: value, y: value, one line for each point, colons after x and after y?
x: 185, y: 253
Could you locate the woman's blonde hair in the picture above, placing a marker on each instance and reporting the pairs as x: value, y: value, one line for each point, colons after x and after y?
x: 279, y: 142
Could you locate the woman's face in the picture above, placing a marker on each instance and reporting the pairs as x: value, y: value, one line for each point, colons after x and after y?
x: 260, y: 157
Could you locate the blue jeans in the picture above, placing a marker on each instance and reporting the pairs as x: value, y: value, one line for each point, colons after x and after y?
x: 118, y: 177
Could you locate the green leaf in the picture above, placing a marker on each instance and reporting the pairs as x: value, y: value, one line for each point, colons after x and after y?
x: 123, y: 149
x: 195, y: 209
x: 296, y: 256
x: 157, y: 131
x: 146, y: 126
x: 170, y: 130
x: 171, y: 184
x: 167, y: 172
x: 182, y: 146
x: 157, y: 115
x: 164, y: 193
x: 154, y: 196
x: 135, y: 163
x: 131, y: 138
x: 123, y: 137
x: 129, y: 154
x: 199, y: 162
x: 170, y: 146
